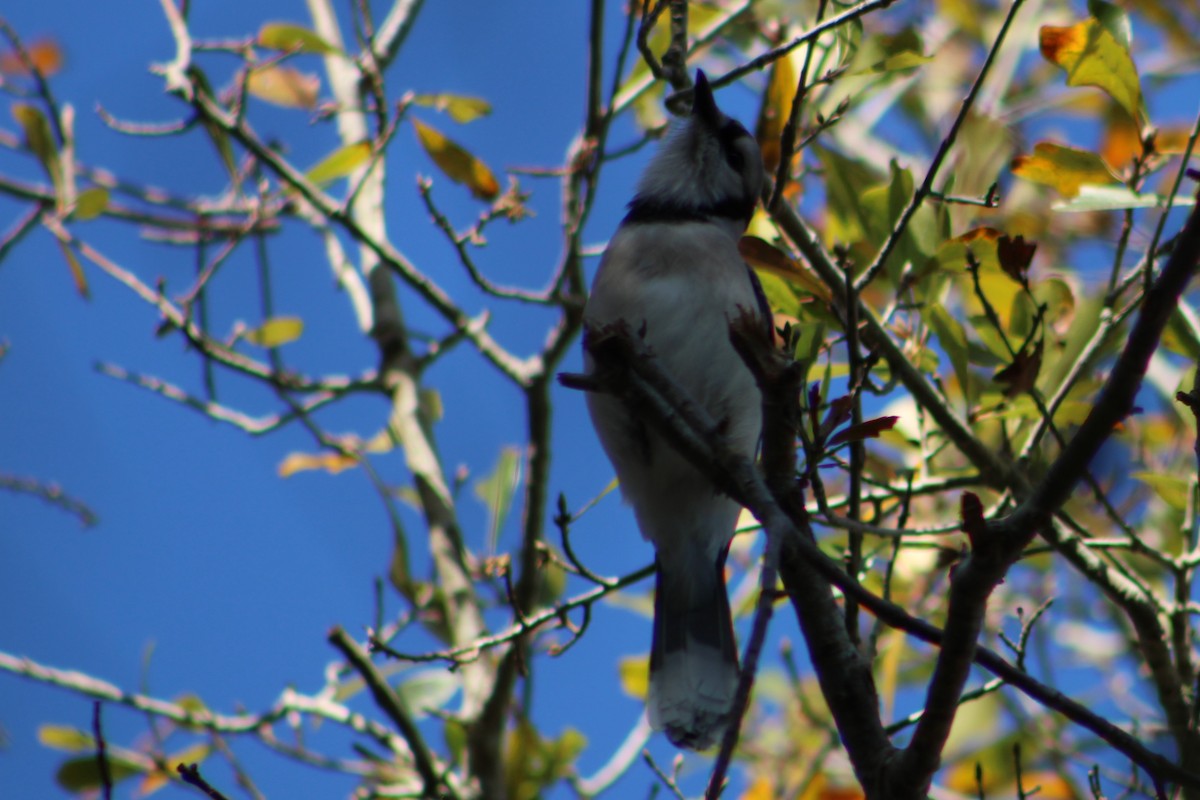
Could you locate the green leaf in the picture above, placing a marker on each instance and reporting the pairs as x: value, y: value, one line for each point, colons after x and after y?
x: 890, y: 53
x: 292, y: 37
x: 457, y: 163
x: 1064, y: 168
x: 1114, y: 19
x: 276, y: 331
x: 953, y: 339
x: 496, y: 491
x: 461, y: 108
x: 1092, y: 56
x: 215, y: 132
x: 91, y: 203
x: 1173, y: 489
x: 339, y: 163
x: 65, y: 737
x: 427, y: 690
x: 77, y: 274
x: 40, y: 141
x: 846, y: 181
x: 83, y: 774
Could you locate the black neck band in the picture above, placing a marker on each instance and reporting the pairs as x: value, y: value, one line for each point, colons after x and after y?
x: 643, y: 210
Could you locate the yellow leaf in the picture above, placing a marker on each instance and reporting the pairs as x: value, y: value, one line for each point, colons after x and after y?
x: 91, y: 203
x: 1092, y: 56
x: 195, y: 754
x: 1173, y: 489
x: 333, y: 463
x: 1064, y: 168
x: 291, y: 37
x: 761, y: 789
x: 81, y: 284
x: 276, y: 331
x: 822, y: 787
x: 781, y: 90
x: 460, y: 107
x: 634, y: 675
x: 64, y: 737
x: 284, y: 86
x: 339, y: 163
x: 458, y: 164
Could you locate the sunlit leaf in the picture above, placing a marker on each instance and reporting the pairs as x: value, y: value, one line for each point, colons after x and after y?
x: 1092, y: 56
x: 1064, y: 168
x: 1113, y: 198
x: 160, y: 778
x: 428, y: 690
x: 1056, y: 295
x: 1173, y: 489
x: 276, y: 332
x: 457, y: 163
x: 292, y: 37
x: 46, y: 55
x: 65, y: 737
x: 331, y: 462
x: 634, y: 675
x: 284, y: 86
x: 890, y: 53
x: 461, y: 108
x: 77, y: 273
x: 495, y: 490
x: 826, y: 787
x: 776, y: 108
x: 91, y: 203
x: 339, y: 163
x: 1121, y: 140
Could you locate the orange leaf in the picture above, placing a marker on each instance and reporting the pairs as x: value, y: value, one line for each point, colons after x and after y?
x: 45, y: 54
x: 1121, y: 140
x: 456, y: 162
x: 332, y: 463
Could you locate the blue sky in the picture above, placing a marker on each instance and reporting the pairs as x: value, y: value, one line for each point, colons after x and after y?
x: 231, y: 575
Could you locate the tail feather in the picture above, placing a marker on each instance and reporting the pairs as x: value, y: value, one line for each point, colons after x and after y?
x: 693, y: 657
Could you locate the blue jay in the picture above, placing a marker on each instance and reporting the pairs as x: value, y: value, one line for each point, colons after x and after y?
x: 673, y: 274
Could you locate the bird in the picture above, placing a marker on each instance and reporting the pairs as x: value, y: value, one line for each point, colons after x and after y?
x: 672, y: 273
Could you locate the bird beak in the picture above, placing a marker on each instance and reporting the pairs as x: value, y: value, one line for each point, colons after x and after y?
x: 703, y: 104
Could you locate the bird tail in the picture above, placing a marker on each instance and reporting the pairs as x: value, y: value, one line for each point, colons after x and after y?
x: 693, y: 657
